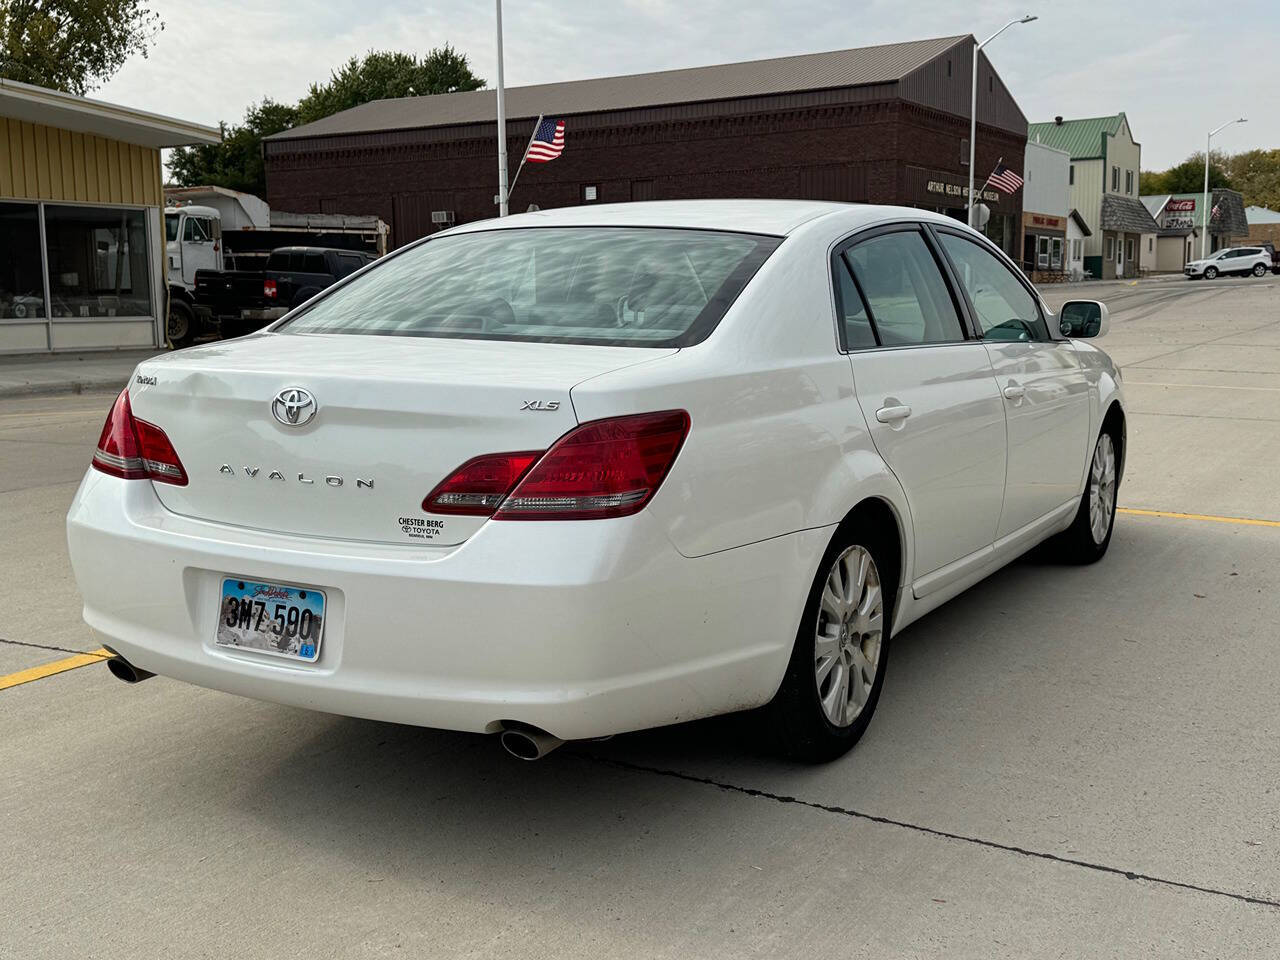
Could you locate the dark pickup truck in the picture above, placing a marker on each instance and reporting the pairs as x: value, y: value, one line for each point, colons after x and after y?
x: 246, y: 300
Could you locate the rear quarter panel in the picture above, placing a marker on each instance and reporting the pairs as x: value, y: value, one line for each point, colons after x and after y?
x: 777, y: 442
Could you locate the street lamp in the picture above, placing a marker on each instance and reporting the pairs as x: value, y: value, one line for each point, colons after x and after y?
x: 1204, y: 230
x: 973, y: 105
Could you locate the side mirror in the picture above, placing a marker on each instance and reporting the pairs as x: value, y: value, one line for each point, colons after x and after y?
x: 1084, y: 319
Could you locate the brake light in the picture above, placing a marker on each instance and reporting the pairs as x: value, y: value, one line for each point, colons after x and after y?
x: 269, y: 289
x: 605, y: 468
x: 135, y: 449
x: 477, y: 487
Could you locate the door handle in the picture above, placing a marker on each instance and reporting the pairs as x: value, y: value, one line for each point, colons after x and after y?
x: 893, y: 414
x: 1014, y: 392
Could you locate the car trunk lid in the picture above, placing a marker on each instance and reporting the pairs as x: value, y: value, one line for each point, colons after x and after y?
x: 388, y: 419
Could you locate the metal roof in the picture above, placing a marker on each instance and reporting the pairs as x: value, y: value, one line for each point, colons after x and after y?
x: 65, y: 111
x: 1080, y: 138
x: 860, y: 66
x: 1261, y: 215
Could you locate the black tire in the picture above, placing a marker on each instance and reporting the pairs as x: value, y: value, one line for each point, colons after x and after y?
x: 1259, y: 269
x: 797, y: 722
x: 181, y: 326
x: 1080, y: 542
x: 1210, y: 273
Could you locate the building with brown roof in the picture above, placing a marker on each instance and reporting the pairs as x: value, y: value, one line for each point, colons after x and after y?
x: 884, y: 124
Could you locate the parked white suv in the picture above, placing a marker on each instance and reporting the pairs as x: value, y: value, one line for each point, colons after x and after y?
x: 1240, y: 260
x: 591, y: 470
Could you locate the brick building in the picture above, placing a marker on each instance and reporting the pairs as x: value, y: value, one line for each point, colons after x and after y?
x: 885, y: 124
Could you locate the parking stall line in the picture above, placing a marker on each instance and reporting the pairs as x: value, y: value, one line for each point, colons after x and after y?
x: 1167, y: 514
x: 56, y: 667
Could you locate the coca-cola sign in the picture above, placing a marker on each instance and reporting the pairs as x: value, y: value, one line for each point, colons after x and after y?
x: 1180, y: 206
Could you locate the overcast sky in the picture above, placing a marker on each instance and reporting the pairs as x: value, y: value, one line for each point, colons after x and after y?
x: 1177, y: 68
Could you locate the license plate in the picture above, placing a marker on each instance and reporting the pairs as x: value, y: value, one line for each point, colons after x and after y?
x: 271, y: 618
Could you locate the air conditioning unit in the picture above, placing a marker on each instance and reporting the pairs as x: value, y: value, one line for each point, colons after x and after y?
x: 442, y: 216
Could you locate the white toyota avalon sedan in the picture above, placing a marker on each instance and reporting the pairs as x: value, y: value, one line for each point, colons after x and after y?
x: 593, y: 470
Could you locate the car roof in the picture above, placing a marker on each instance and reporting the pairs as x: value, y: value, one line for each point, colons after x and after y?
x: 774, y: 217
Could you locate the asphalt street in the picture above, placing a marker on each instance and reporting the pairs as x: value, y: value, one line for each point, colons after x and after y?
x: 1066, y: 762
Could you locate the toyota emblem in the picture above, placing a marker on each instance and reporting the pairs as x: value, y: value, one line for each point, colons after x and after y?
x: 293, y: 406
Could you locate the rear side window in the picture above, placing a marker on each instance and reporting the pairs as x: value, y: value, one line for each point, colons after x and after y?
x: 313, y: 263
x: 278, y: 261
x: 853, y: 312
x: 904, y: 290
x: 349, y: 263
x: 626, y: 286
x: 1006, y: 309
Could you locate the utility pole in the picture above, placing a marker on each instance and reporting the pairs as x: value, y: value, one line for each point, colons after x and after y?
x: 503, y: 193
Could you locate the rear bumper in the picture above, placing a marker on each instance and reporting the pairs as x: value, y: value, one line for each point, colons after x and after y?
x: 581, y: 628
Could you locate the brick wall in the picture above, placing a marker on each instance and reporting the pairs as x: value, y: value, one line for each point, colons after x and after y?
x: 849, y: 152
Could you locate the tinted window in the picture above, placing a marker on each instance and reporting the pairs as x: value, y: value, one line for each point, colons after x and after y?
x: 278, y: 261
x: 624, y: 286
x: 1006, y: 309
x: 349, y: 263
x: 904, y: 291
x: 853, y: 313
x: 313, y: 263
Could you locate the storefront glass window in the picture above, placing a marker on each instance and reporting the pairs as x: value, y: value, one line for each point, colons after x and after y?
x: 97, y: 262
x: 21, y: 278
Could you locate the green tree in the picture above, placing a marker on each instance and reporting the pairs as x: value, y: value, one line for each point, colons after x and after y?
x: 72, y: 45
x: 236, y: 162
x: 1186, y: 177
x: 1256, y: 174
x: 383, y: 75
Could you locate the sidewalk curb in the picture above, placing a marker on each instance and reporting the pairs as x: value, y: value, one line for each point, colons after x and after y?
x: 84, y: 385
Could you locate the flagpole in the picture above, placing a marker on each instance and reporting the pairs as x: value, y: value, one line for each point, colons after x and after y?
x: 524, y: 156
x: 503, y: 191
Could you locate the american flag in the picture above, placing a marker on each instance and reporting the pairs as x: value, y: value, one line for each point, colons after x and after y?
x: 547, y: 142
x: 1005, y: 179
x: 1216, y: 211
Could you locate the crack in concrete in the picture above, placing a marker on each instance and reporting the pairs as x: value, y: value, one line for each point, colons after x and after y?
x: 42, y: 646
x: 934, y: 832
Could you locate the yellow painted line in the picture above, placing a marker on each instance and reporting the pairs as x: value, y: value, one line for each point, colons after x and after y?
x: 58, y: 666
x: 1245, y: 521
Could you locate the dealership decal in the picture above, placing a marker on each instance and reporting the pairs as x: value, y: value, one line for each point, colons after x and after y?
x: 417, y: 528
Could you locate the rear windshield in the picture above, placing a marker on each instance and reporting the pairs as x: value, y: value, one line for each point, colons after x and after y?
x: 624, y: 286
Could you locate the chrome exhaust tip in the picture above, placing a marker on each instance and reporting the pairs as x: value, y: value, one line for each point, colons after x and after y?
x: 528, y: 743
x: 122, y: 669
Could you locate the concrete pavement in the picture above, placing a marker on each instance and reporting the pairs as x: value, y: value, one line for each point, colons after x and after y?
x: 68, y: 373
x: 1066, y: 762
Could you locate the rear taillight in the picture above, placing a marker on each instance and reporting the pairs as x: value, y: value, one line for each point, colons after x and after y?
x: 269, y: 289
x: 606, y: 468
x: 136, y: 450
x: 477, y: 487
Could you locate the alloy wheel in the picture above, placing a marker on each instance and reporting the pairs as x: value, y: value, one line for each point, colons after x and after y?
x: 1102, y: 488
x: 849, y: 636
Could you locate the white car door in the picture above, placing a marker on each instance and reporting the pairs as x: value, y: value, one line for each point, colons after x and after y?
x: 926, y: 390
x: 1045, y: 393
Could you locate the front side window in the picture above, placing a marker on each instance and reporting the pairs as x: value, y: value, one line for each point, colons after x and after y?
x: 623, y: 286
x: 904, y: 291
x: 197, y: 230
x: 1006, y: 310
